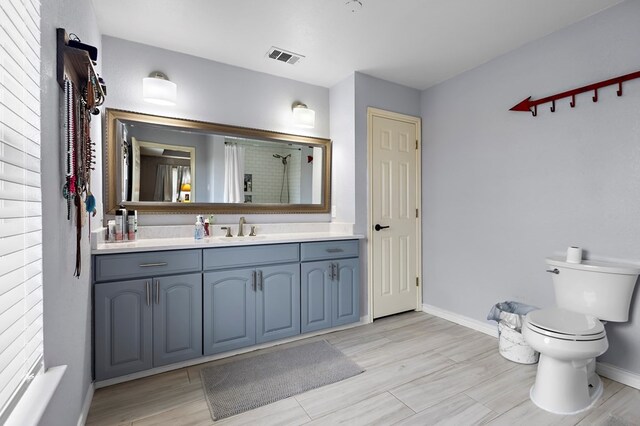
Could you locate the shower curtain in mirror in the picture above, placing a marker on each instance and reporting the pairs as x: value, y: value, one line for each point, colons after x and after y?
x: 233, y: 173
x: 163, y: 183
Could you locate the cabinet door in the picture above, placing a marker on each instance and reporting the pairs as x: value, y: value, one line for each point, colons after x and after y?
x: 346, y: 292
x: 177, y: 318
x: 229, y: 310
x: 123, y: 327
x: 316, y: 296
x: 278, y: 302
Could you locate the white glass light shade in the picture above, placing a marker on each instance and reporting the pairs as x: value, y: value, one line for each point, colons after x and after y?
x: 159, y: 90
x: 303, y: 116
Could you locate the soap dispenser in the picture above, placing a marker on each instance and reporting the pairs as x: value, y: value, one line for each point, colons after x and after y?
x: 199, y: 229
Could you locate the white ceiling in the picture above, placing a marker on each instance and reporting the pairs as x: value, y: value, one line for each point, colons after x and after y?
x: 417, y: 43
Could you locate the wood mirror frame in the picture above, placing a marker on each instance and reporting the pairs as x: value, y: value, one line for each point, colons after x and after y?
x: 112, y: 179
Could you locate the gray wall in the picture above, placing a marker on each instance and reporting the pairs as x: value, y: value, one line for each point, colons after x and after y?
x: 349, y: 102
x: 503, y: 190
x: 373, y: 92
x: 214, y: 92
x: 67, y: 300
x: 342, y: 104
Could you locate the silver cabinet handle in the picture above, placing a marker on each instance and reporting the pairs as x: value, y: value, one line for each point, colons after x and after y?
x: 332, y: 274
x: 253, y: 280
x: 260, y: 282
x: 334, y: 250
x: 148, y: 287
x: 148, y: 265
x: 553, y: 271
x: 157, y: 292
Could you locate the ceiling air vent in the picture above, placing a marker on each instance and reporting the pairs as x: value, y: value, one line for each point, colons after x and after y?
x: 283, y: 55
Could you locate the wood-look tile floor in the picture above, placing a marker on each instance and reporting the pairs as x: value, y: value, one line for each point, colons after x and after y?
x: 420, y: 370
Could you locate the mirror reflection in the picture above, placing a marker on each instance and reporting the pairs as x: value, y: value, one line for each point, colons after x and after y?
x: 162, y: 162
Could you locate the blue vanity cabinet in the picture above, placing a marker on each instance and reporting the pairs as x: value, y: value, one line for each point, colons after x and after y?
x: 229, y: 310
x: 157, y: 308
x: 330, y: 284
x: 316, y: 295
x: 151, y: 321
x: 346, y: 292
x: 251, y: 295
x: 123, y: 328
x: 177, y: 318
x: 277, y: 302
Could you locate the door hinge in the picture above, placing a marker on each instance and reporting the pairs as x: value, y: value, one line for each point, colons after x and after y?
x: 417, y: 282
x: 416, y: 143
x: 417, y: 213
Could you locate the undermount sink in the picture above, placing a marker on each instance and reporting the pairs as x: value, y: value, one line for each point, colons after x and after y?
x: 239, y: 240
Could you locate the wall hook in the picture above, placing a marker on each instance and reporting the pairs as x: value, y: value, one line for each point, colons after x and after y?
x: 530, y: 105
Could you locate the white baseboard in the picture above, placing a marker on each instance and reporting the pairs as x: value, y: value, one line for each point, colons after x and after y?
x: 86, y: 405
x: 606, y: 370
x: 474, y: 324
x: 618, y: 374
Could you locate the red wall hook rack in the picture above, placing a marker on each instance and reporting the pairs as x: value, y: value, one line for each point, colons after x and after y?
x: 532, y: 105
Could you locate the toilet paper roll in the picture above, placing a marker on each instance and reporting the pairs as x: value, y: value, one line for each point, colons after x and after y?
x: 574, y: 255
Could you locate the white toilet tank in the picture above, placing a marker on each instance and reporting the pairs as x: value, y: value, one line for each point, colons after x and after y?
x: 596, y: 288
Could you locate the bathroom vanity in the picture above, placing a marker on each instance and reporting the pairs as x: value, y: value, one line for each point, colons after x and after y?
x: 155, y: 307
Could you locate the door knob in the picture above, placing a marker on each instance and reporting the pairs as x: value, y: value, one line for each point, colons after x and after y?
x: 378, y: 227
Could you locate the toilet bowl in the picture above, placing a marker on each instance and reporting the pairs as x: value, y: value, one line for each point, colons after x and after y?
x: 568, y: 343
x: 570, y: 336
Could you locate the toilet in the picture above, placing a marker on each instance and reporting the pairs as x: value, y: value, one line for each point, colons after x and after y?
x: 570, y: 336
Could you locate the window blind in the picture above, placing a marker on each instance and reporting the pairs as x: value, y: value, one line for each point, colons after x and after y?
x: 20, y: 198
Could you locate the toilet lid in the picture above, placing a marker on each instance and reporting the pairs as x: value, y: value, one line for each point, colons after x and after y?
x: 563, y: 322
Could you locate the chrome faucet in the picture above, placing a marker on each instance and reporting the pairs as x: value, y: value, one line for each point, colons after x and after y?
x: 242, y: 222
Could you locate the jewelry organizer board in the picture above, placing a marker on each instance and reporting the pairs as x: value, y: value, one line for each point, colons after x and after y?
x: 84, y: 91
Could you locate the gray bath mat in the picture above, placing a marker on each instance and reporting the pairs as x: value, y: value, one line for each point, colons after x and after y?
x: 245, y: 384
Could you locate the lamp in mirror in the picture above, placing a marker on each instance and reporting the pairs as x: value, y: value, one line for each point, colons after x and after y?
x: 303, y: 116
x: 157, y: 89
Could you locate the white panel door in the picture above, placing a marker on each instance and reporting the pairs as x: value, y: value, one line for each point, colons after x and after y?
x: 394, y: 222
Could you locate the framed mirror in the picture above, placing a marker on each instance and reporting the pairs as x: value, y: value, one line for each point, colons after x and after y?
x: 159, y: 164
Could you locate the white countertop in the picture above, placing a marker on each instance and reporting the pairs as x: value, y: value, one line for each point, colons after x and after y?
x: 180, y: 243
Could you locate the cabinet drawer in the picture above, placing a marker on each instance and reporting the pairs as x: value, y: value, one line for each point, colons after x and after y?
x: 110, y: 267
x: 232, y: 257
x: 329, y: 250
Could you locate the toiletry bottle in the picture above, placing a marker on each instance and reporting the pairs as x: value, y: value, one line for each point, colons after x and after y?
x: 119, y: 225
x: 131, y: 225
x: 199, y: 230
x: 111, y: 230
x: 206, y: 227
x: 125, y: 223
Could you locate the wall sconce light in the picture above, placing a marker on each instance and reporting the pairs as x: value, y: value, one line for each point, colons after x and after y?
x: 303, y: 116
x: 157, y: 89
